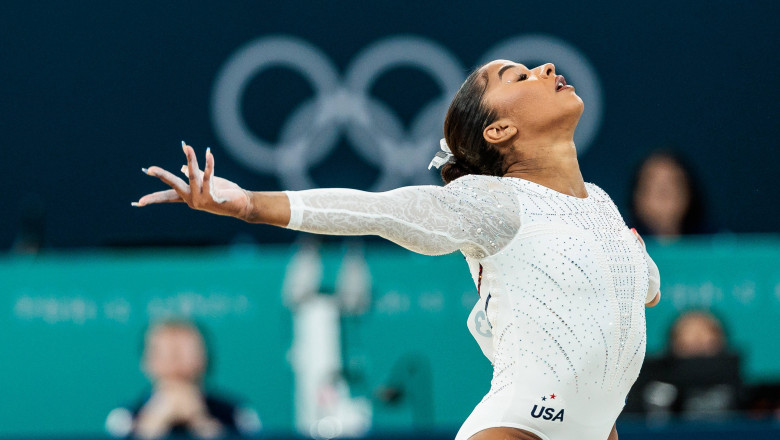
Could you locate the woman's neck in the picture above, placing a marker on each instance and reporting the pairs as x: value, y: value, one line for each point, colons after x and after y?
x: 553, y: 165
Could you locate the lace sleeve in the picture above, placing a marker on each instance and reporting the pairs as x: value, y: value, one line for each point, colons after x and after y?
x: 475, y: 214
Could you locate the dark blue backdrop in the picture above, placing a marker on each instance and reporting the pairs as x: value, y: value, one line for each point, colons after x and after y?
x: 92, y: 91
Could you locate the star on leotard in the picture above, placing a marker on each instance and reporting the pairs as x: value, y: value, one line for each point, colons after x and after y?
x: 544, y: 398
x: 552, y: 396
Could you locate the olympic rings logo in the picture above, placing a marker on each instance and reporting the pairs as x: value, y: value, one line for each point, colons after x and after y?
x: 345, y: 106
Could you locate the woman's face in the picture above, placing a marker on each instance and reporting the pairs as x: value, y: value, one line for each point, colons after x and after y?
x: 536, y: 101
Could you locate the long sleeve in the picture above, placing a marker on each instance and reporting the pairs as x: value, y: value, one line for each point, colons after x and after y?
x: 475, y: 214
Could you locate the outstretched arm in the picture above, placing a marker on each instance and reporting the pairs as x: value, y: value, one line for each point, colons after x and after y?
x: 464, y: 215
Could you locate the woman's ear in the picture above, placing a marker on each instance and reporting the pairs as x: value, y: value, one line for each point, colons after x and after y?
x: 499, y: 132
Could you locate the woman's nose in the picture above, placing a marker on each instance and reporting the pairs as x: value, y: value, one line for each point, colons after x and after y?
x: 546, y: 70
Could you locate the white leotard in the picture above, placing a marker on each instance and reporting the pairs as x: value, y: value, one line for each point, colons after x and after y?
x: 562, y: 290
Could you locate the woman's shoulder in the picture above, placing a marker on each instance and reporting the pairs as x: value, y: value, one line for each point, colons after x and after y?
x: 474, y: 178
x: 486, y: 192
x: 479, y: 182
x: 597, y: 192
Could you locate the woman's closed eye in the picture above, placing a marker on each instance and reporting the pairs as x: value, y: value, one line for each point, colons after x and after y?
x: 520, y: 77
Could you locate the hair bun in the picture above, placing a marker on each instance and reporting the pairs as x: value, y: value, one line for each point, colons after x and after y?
x: 454, y: 169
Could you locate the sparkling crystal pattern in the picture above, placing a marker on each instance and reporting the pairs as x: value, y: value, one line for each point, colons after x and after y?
x: 567, y: 282
x: 574, y: 281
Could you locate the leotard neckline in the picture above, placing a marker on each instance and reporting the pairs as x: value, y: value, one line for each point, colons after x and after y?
x: 550, y: 190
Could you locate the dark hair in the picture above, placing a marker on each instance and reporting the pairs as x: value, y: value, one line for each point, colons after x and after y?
x: 466, y: 120
x: 695, y: 220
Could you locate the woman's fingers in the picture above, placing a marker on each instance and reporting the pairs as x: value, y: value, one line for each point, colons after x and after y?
x: 166, y: 196
x: 192, y: 166
x: 186, y: 171
x: 209, y: 182
x: 174, y: 182
x: 191, y: 192
x: 655, y: 300
x: 208, y: 172
x: 208, y: 178
x: 638, y: 236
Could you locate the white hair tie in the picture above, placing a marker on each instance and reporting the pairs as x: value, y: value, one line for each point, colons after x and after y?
x: 441, y: 157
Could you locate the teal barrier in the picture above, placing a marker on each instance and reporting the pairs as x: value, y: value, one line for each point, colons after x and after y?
x: 738, y: 279
x: 72, y: 325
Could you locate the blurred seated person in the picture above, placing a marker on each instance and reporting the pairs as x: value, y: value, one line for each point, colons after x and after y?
x: 698, y: 377
x: 175, y: 361
x: 665, y: 199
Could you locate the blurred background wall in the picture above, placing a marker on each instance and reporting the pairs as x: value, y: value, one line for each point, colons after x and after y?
x: 73, y: 328
x: 93, y: 91
x: 347, y: 94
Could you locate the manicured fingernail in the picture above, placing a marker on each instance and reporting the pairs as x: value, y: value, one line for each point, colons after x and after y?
x: 633, y: 230
x: 144, y: 170
x: 182, y: 143
x: 208, y: 150
x: 135, y: 204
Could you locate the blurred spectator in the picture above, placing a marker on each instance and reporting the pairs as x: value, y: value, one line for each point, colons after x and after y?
x: 698, y: 377
x: 696, y: 334
x: 175, y: 361
x: 666, y: 201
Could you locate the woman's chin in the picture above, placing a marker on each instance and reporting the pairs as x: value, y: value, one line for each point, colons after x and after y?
x: 578, y: 105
